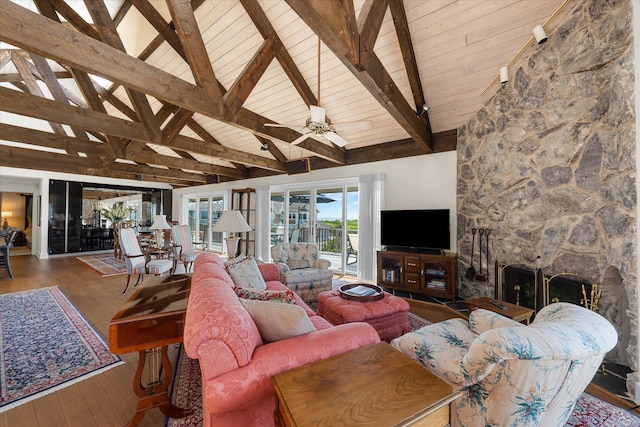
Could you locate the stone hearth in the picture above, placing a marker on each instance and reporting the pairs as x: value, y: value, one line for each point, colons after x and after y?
x: 549, y: 166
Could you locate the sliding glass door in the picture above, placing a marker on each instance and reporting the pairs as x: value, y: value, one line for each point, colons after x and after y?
x: 203, y: 213
x: 324, y: 215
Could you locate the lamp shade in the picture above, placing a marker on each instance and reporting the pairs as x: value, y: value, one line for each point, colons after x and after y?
x: 160, y: 223
x: 232, y: 222
x: 7, y: 214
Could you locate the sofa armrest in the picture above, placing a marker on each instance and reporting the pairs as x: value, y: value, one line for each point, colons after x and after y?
x: 284, y: 268
x: 322, y: 264
x: 249, y: 384
x: 481, y: 320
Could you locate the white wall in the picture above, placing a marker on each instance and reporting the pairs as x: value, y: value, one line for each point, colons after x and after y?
x: 421, y: 182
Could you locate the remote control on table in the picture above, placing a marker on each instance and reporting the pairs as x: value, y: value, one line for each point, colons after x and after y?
x: 497, y: 304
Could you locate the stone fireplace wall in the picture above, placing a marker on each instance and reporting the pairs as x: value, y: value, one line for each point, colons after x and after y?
x: 549, y: 166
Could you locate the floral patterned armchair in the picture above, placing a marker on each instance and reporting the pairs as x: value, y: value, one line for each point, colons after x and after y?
x: 512, y: 374
x: 301, y: 270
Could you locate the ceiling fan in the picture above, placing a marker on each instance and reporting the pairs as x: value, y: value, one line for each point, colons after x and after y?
x: 319, y: 125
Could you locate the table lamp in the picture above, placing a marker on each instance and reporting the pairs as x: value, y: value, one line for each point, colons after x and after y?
x: 5, y: 215
x: 232, y: 222
x: 160, y: 224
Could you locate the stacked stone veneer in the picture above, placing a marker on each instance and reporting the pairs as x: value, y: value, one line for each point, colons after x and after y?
x: 549, y: 166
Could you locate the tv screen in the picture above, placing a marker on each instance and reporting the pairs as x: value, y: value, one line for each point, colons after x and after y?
x: 419, y: 229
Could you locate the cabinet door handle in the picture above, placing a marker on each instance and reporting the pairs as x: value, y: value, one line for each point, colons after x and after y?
x: 411, y: 264
x: 401, y: 270
x: 412, y: 281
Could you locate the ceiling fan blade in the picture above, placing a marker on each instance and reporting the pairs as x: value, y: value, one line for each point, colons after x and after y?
x: 300, y: 138
x: 336, y: 139
x: 318, y: 114
x: 353, y: 126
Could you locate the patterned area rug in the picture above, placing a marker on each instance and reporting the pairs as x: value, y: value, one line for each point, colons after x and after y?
x: 45, y: 345
x: 104, y: 264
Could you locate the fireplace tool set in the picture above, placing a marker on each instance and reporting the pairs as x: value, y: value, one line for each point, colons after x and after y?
x: 483, y: 237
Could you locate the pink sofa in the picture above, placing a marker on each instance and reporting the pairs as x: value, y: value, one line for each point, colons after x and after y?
x: 236, y: 365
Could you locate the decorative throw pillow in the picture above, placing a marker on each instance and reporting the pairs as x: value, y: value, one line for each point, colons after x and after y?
x: 277, y: 321
x: 235, y: 260
x: 246, y: 274
x: 298, y: 264
x: 267, y: 295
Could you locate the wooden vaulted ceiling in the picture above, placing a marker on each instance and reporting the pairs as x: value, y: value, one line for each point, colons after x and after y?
x: 190, y: 85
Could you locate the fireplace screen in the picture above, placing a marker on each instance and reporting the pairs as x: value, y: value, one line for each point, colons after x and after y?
x: 530, y: 288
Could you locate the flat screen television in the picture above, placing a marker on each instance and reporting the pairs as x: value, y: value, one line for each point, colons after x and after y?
x: 423, y: 229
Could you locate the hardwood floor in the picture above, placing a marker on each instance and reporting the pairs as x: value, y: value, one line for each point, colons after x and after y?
x: 103, y: 400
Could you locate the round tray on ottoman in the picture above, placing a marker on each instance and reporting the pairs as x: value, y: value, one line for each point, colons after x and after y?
x: 361, y: 292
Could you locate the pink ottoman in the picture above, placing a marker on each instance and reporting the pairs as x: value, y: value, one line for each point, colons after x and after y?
x: 388, y: 315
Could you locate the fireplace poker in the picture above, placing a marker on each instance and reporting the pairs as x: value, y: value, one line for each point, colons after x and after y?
x: 471, y: 271
x: 480, y: 275
x: 487, y: 232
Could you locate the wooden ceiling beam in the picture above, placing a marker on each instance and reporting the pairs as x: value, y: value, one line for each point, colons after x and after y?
x: 109, y: 34
x: 187, y: 28
x: 331, y: 26
x: 32, y: 86
x: 33, y: 159
x: 151, y: 157
x: 408, y: 54
x: 74, y: 19
x: 267, y: 31
x: 51, y: 140
x: 175, y: 125
x: 151, y: 172
x: 82, y: 81
x: 32, y: 106
x: 249, y: 77
x: 57, y: 91
x: 273, y: 148
x: 37, y: 34
x: 369, y: 23
x: 162, y: 27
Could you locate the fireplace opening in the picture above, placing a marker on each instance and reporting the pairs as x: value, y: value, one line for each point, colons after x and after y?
x: 530, y: 288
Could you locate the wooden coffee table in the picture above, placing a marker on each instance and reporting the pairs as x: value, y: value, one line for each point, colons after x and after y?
x: 372, y: 386
x: 515, y: 312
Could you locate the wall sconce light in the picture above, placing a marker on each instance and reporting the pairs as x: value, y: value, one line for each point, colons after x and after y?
x: 422, y: 110
x: 504, y: 75
x: 539, y: 34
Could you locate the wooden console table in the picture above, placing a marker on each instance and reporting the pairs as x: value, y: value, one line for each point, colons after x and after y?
x: 150, y: 321
x: 372, y: 386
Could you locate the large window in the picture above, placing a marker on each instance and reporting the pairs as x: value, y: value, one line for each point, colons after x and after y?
x: 203, y: 213
x: 326, y: 215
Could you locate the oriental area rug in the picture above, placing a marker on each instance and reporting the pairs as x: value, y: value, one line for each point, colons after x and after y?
x: 45, y: 345
x: 105, y: 264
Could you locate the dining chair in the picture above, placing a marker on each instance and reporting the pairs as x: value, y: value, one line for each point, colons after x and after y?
x: 138, y: 262
x: 186, y: 249
x: 5, y: 261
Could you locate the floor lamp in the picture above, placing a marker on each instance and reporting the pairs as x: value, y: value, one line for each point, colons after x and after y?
x: 232, y: 222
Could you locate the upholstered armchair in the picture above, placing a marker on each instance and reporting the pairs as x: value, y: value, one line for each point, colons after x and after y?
x: 185, y: 246
x: 512, y: 374
x: 301, y: 270
x: 136, y: 261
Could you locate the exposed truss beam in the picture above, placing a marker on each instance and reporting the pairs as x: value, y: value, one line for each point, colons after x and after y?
x: 334, y: 25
